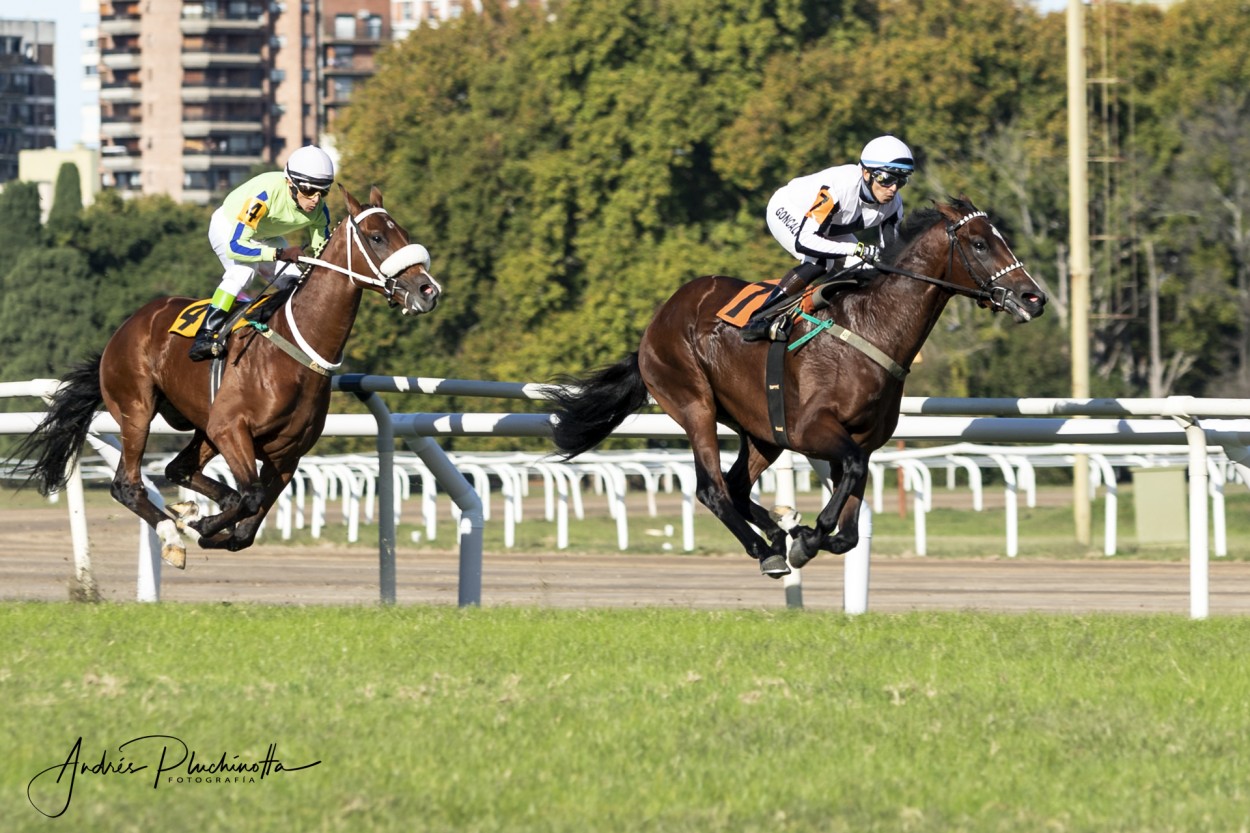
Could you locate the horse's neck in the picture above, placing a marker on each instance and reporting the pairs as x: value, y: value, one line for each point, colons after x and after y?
x: 897, y: 313
x: 323, y: 309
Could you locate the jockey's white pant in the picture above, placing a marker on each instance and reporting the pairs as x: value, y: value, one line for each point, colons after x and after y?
x: 238, y: 275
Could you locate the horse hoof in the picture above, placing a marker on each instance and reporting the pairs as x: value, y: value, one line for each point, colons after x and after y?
x: 799, y: 556
x: 774, y: 566
x: 174, y: 556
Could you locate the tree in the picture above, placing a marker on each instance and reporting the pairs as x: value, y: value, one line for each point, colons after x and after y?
x: 65, y: 216
x: 19, y: 216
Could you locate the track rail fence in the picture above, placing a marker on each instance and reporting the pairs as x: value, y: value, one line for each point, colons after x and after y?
x: 1198, y: 427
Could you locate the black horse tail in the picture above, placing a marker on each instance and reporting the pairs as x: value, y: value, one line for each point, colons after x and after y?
x: 64, y: 429
x: 588, y: 409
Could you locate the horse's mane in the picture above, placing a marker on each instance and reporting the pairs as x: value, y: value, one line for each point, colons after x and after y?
x: 920, y: 222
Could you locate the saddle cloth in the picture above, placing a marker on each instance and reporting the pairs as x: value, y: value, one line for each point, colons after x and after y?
x: 752, y: 296
x: 187, y: 324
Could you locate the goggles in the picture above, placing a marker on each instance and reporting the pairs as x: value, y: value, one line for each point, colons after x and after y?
x: 886, y: 179
x: 310, y: 190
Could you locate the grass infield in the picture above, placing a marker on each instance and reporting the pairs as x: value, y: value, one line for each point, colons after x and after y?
x: 515, y: 719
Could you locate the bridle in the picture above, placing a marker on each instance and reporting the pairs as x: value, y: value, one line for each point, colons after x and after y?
x: 385, y: 276
x: 988, y: 291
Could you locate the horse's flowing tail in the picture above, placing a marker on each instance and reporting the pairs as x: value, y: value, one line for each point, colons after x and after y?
x: 588, y: 409
x: 64, y: 429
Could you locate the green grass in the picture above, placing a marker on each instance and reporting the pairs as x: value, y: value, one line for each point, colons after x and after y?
x: 515, y: 719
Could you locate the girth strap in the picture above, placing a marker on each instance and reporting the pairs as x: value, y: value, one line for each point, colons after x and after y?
x: 774, y: 371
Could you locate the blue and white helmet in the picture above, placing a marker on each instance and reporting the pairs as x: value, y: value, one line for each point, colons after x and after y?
x: 889, y: 154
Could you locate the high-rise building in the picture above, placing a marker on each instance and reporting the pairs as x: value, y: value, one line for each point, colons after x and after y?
x: 27, y: 90
x: 194, y: 95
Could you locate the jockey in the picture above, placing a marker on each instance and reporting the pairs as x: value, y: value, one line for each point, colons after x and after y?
x: 248, y: 233
x: 815, y: 218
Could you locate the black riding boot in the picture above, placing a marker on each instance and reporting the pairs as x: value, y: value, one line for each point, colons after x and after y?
x: 207, y: 343
x: 794, y: 282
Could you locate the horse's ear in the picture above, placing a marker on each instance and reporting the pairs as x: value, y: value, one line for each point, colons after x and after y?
x: 375, y: 196
x: 353, y: 207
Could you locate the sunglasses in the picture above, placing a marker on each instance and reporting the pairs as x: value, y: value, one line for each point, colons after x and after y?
x: 312, y: 190
x: 886, y: 179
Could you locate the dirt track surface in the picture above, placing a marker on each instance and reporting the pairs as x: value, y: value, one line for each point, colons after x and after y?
x: 36, y: 563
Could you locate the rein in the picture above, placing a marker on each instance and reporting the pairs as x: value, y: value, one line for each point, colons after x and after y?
x: 385, y: 275
x: 987, y: 291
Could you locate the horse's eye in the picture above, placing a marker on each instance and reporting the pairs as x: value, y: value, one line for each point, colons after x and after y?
x: 377, y: 238
x: 980, y: 245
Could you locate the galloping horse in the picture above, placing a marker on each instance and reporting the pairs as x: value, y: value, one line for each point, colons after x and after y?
x: 269, y: 406
x: 841, y: 393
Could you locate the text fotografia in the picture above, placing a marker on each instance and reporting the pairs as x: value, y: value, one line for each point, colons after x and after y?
x: 163, y: 758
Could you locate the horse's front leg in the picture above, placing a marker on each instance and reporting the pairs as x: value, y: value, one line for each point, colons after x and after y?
x: 275, y: 480
x: 187, y: 470
x: 841, y: 512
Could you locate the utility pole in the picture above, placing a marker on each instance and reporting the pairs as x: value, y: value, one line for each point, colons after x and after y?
x: 1078, y: 236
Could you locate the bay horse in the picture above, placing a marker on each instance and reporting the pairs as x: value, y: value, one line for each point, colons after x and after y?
x: 842, y: 393
x: 269, y: 407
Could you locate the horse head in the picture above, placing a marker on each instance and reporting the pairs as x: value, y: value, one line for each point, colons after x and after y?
x: 392, y: 265
x: 980, y: 259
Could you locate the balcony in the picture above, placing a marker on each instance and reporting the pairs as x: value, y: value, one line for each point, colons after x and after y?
x: 206, y: 128
x: 116, y: 59
x: 202, y: 93
x: 120, y: 25
x: 204, y: 60
x: 121, y: 93
x: 125, y: 129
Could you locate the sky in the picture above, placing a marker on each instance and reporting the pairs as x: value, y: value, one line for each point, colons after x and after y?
x: 68, y: 17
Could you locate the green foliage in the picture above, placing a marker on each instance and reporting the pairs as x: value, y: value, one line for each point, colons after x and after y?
x: 19, y: 216
x: 62, y: 303
x: 66, y: 211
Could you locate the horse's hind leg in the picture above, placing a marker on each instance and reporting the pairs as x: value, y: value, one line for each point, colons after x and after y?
x: 753, y: 458
x: 128, y: 490
x: 699, y: 422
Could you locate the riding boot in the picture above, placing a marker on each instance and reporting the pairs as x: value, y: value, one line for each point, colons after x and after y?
x: 794, y: 282
x: 207, y: 342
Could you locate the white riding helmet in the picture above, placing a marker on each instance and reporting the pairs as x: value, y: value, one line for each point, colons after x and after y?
x: 887, y: 153
x: 310, y: 165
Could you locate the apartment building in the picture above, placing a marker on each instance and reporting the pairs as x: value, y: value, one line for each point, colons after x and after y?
x: 27, y: 90
x: 194, y: 95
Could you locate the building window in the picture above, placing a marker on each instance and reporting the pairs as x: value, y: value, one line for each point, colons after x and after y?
x: 345, y: 26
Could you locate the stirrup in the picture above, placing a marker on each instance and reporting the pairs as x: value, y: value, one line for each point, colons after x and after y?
x: 205, y: 349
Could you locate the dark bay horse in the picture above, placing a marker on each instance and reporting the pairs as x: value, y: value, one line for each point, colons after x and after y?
x: 841, y: 403
x: 274, y: 393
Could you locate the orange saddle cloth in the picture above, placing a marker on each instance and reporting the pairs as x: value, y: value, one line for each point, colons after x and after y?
x: 748, y: 302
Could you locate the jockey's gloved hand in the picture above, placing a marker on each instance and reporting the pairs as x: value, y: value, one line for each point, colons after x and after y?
x: 867, y: 252
x: 291, y: 254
